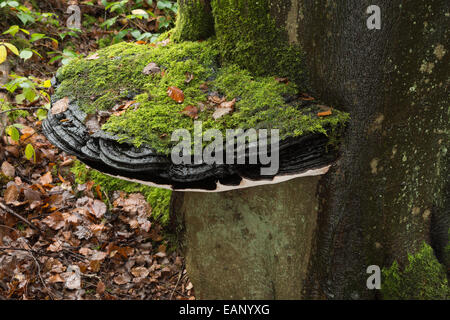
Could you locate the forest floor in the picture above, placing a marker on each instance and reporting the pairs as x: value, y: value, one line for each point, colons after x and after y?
x: 60, y: 239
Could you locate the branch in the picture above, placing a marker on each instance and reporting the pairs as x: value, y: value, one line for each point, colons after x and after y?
x: 7, y: 209
x: 26, y: 109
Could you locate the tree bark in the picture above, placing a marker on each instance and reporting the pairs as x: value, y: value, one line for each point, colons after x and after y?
x: 388, y: 192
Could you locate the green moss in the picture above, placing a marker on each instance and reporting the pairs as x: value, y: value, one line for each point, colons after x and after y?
x: 194, y: 21
x: 115, y: 76
x: 423, y: 278
x: 248, y: 36
x: 159, y: 199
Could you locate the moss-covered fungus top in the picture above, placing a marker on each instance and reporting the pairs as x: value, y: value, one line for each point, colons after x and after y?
x: 114, y: 76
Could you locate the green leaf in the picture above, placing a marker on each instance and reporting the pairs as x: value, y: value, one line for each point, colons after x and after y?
x: 29, y: 152
x: 13, y: 133
x: 36, y: 37
x: 12, y: 30
x: 25, y: 18
x: 41, y: 114
x: 30, y: 94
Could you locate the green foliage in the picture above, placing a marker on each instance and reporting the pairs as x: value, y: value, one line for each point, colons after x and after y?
x: 159, y: 199
x: 423, y: 278
x: 117, y: 72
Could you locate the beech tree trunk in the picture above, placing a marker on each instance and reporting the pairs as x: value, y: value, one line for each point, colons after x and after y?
x: 389, y: 190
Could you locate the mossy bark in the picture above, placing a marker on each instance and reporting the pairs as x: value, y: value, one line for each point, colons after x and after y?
x: 194, y: 20
x: 388, y: 193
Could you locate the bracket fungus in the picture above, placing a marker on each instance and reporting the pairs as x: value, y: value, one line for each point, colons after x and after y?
x: 117, y: 111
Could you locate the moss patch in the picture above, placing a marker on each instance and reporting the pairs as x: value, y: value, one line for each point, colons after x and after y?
x: 424, y: 278
x: 248, y: 36
x: 159, y: 199
x: 115, y: 76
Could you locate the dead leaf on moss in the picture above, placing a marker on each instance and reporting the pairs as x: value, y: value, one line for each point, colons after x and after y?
x: 176, y: 94
x: 151, y: 68
x: 93, y: 57
x: 60, y: 106
x: 189, y: 77
x: 224, y: 109
x: 190, y: 111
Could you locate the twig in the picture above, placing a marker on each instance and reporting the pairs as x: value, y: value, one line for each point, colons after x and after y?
x: 178, y: 281
x: 4, y: 207
x: 40, y: 277
x: 26, y: 109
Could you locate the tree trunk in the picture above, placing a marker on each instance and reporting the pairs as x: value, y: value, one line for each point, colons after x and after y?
x: 388, y: 192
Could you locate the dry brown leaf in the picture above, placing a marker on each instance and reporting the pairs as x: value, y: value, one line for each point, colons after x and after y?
x: 122, y: 279
x: 100, y: 287
x: 93, y: 57
x: 55, y: 220
x: 73, y: 277
x: 8, y: 170
x: 190, y: 111
x: 140, y: 272
x: 55, y: 278
x: 46, y: 178
x: 189, y: 77
x: 151, y: 68
x: 176, y: 94
x: 282, y: 80
x: 224, y: 109
x: 92, y: 123
x: 98, y: 208
x: 60, y: 106
x: 11, y: 194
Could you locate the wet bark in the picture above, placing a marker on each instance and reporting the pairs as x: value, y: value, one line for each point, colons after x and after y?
x: 389, y: 188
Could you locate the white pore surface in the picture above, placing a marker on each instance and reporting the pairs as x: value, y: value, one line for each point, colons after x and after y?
x: 245, y: 183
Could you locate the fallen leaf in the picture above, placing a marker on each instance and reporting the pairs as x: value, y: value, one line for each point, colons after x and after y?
x: 140, y: 272
x: 46, y: 178
x: 176, y: 94
x: 122, y: 279
x: 98, y: 208
x: 306, y: 97
x: 224, y: 109
x: 55, y: 278
x: 151, y: 68
x: 55, y: 220
x: 8, y: 170
x: 100, y: 287
x: 327, y: 111
x: 92, y: 123
x: 93, y: 57
x: 60, y: 106
x: 190, y: 111
x: 73, y: 277
x: 282, y: 80
x: 11, y: 194
x: 189, y: 77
